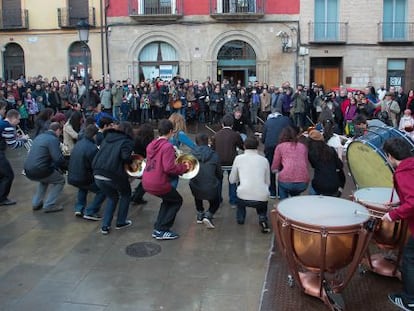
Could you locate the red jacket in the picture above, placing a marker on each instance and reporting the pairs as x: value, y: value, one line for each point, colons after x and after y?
x: 160, y: 167
x: 404, y: 185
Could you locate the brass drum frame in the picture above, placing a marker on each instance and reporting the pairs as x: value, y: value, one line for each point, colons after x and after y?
x: 315, y: 275
x: 390, y: 238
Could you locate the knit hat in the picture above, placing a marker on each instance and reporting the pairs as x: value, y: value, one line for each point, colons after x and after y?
x: 316, y: 135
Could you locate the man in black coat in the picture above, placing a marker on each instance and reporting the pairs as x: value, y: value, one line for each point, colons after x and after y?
x: 80, y: 175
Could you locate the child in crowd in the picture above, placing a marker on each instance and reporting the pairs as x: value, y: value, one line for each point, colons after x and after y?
x: 407, y: 123
x: 205, y: 186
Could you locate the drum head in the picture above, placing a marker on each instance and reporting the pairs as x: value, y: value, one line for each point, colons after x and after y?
x: 368, y: 166
x: 367, y: 161
x: 321, y: 211
x: 376, y: 196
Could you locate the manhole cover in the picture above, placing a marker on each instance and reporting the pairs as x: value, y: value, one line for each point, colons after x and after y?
x: 143, y: 249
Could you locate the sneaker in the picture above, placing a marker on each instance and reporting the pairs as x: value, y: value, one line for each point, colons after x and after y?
x: 124, y: 225
x: 399, y: 302
x: 272, y: 196
x: 240, y: 221
x: 7, y: 202
x: 78, y: 214
x: 155, y: 233
x: 53, y: 209
x: 37, y: 207
x: 200, y: 216
x: 105, y: 230
x: 166, y: 235
x: 264, y: 226
x: 94, y: 217
x: 208, y: 222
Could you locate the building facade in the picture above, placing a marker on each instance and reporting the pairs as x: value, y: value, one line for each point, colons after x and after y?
x: 331, y: 42
x: 41, y: 37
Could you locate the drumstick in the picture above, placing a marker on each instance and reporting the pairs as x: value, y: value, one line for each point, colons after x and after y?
x: 209, y: 128
x: 356, y: 212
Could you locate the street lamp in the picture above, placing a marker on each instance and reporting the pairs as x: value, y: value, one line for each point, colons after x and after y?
x: 83, y: 31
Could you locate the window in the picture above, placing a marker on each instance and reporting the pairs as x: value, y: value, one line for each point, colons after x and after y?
x: 11, y: 14
x: 394, y: 23
x: 326, y: 20
x: 152, y: 7
x: 236, y: 6
x: 158, y: 59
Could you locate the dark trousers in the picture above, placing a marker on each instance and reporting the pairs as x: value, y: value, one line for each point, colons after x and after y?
x: 6, y: 177
x: 260, y: 206
x: 138, y: 193
x: 214, y: 205
x: 269, y: 153
x: 170, y: 205
x: 407, y: 271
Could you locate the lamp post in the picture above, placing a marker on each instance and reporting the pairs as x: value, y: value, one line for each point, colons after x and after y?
x: 83, y: 31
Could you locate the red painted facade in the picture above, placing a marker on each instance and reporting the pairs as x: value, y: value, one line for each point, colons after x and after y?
x: 202, y: 7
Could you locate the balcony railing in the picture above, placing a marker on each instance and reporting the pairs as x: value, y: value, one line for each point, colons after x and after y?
x: 237, y: 9
x: 155, y: 10
x: 14, y: 19
x: 67, y: 19
x: 399, y: 32
x: 328, y: 32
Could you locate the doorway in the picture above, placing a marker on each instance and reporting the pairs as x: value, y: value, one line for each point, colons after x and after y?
x: 13, y: 62
x: 326, y: 71
x: 234, y: 75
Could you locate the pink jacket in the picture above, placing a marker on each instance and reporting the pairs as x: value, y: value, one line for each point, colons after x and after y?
x: 160, y: 167
x: 291, y: 159
x: 404, y: 185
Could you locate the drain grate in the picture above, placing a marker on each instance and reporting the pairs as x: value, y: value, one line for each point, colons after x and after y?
x: 143, y: 249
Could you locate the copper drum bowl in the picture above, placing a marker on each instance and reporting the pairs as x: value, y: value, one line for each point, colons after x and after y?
x: 194, y: 165
x: 138, y: 169
x: 387, y: 235
x: 322, y: 233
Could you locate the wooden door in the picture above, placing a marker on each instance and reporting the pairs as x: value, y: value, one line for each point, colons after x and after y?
x: 328, y: 77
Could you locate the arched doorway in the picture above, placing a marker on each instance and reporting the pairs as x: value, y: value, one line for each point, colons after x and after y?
x: 158, y: 59
x: 236, y: 60
x: 79, y: 54
x: 13, y: 60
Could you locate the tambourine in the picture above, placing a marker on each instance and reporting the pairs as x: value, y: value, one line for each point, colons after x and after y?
x: 137, y: 170
x: 194, y: 165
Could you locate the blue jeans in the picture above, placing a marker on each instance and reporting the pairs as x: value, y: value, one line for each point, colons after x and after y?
x: 260, y: 206
x: 95, y: 206
x: 56, y: 181
x: 407, y: 271
x: 115, y: 192
x: 291, y: 189
x: 232, y: 189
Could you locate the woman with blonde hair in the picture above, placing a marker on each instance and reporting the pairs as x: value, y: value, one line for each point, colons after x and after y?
x: 180, y: 129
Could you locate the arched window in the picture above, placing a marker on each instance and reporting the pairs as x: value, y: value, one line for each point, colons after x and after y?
x: 79, y: 53
x: 236, y: 60
x: 13, y: 60
x: 158, y: 59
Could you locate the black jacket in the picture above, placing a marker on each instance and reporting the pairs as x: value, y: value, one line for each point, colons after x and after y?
x: 114, y: 152
x: 80, y: 171
x: 44, y: 157
x: 205, y: 185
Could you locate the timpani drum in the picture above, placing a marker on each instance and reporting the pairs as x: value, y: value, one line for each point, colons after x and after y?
x: 323, y: 240
x: 388, y: 237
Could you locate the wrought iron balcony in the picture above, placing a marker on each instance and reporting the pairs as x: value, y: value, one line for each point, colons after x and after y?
x: 14, y: 19
x: 398, y: 32
x: 237, y: 9
x: 328, y: 33
x: 66, y: 19
x: 155, y: 10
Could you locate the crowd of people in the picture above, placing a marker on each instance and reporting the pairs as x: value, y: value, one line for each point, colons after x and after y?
x: 92, y: 135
